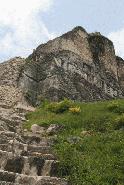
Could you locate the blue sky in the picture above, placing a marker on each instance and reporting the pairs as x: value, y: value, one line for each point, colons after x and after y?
x: 106, y: 15
x: 24, y: 24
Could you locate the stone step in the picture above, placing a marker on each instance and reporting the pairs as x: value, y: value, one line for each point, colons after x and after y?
x: 31, y: 154
x: 38, y: 165
x: 39, y: 149
x: 7, y: 176
x: 5, y: 147
x: 11, y: 118
x: 8, y: 183
x: 17, y: 147
x: 20, y: 141
x: 44, y: 156
x: 8, y: 133
x: 37, y: 140
x: 5, y: 106
x: 20, y: 179
x: 7, y: 155
x: 6, y: 136
x: 17, y: 119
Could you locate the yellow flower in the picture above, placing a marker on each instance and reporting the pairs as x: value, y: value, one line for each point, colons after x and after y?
x: 75, y: 110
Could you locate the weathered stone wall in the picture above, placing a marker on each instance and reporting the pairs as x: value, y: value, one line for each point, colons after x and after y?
x: 65, y: 74
x: 120, y: 68
x: 103, y: 53
x: 10, y: 72
x: 77, y: 65
x: 75, y: 41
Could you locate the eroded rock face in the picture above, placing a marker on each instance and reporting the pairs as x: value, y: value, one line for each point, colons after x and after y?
x: 77, y: 65
x: 120, y: 66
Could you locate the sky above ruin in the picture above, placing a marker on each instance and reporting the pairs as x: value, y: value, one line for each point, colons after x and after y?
x: 24, y: 24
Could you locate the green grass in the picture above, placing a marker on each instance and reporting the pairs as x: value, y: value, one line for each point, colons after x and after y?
x: 96, y: 159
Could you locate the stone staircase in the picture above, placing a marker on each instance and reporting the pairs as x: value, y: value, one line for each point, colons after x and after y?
x: 26, y: 158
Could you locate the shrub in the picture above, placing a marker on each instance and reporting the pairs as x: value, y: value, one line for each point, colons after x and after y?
x: 43, y: 102
x: 75, y: 110
x: 119, y: 122
x: 113, y: 106
x: 116, y: 107
x: 60, y: 107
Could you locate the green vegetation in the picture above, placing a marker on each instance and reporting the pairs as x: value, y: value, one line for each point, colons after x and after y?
x: 91, y: 147
x: 60, y: 107
x: 116, y: 107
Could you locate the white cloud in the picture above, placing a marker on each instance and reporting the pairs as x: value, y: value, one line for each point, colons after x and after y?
x: 21, y: 29
x: 118, y: 40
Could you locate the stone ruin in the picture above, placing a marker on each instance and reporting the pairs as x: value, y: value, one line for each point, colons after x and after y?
x: 78, y: 66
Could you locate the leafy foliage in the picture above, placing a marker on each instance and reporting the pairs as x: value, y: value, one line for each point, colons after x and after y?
x: 60, y: 107
x: 113, y: 106
x: 119, y: 122
x: 116, y: 107
x: 87, y: 159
